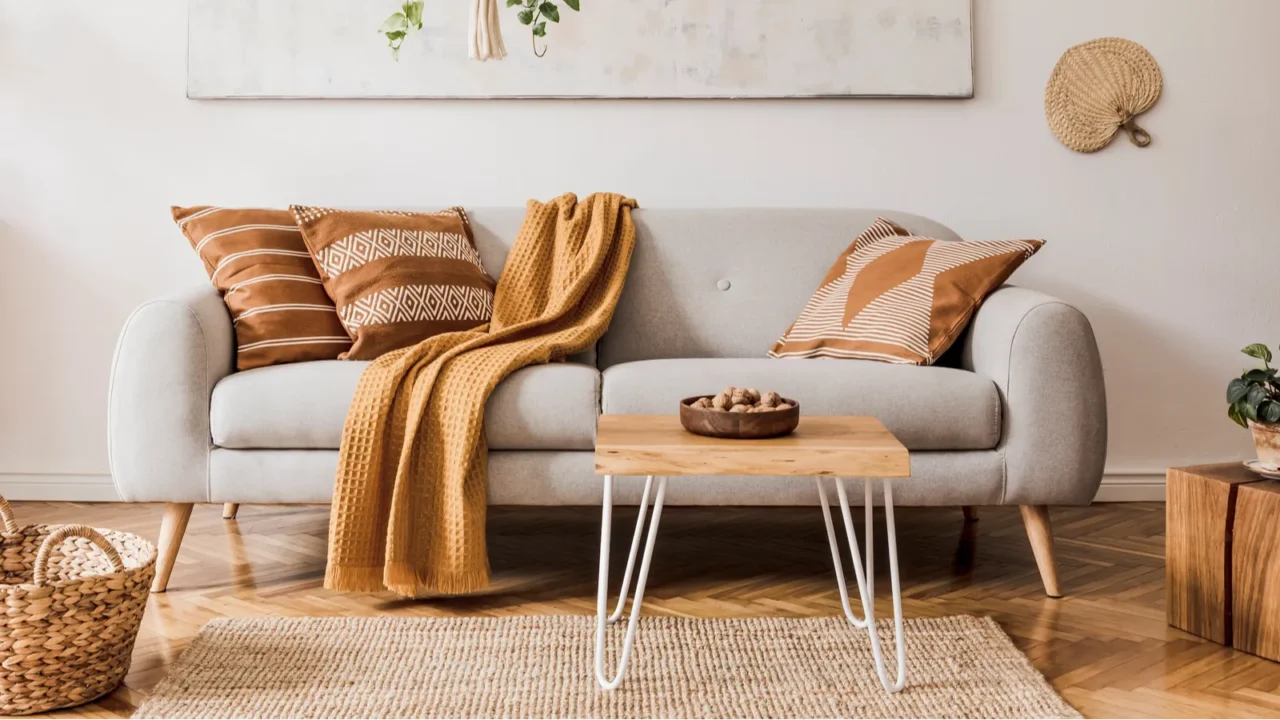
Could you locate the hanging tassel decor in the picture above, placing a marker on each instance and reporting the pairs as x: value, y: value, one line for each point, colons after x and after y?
x: 486, y: 31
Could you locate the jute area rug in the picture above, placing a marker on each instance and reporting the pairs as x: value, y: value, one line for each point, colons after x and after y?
x: 958, y: 667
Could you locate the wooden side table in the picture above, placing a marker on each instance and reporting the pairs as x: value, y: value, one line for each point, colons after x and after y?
x: 823, y: 446
x: 1255, y: 570
x: 1222, y: 556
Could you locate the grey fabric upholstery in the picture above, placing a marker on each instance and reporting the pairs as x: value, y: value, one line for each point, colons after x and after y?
x: 170, y: 354
x: 927, y: 408
x: 304, y: 406
x: 272, y: 476
x: 1042, y: 355
x: 568, y: 478
x: 1028, y: 395
x: 772, y: 259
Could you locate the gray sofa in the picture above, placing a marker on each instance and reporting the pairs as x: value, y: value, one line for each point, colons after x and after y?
x: 1015, y: 415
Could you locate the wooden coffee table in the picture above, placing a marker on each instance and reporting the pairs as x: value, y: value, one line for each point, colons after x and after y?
x: 823, y: 446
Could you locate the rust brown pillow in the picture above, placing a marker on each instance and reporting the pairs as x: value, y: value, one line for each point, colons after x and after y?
x: 898, y: 298
x: 397, y: 277
x: 257, y: 259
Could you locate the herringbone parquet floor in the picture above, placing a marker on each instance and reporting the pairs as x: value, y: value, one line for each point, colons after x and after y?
x: 1105, y: 646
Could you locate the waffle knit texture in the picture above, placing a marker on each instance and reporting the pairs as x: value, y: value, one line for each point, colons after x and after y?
x: 409, y: 501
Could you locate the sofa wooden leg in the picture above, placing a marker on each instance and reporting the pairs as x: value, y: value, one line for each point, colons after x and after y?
x: 970, y: 513
x: 1040, y: 533
x: 229, y: 511
x: 172, y: 528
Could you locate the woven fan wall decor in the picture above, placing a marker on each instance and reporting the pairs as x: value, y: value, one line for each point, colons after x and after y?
x: 1099, y: 87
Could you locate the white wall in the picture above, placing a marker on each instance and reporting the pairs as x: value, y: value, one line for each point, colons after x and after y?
x: 1169, y: 250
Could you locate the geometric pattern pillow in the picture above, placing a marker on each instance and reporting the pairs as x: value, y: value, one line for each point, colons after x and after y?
x: 257, y: 260
x: 898, y: 298
x: 397, y: 277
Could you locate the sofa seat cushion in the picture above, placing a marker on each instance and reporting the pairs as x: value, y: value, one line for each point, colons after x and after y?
x: 304, y: 406
x: 927, y: 408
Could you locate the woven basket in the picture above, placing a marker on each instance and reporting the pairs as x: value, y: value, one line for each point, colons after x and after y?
x: 74, y: 598
x: 1099, y: 87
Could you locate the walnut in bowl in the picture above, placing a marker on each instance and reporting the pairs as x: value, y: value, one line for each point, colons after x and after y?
x: 740, y: 413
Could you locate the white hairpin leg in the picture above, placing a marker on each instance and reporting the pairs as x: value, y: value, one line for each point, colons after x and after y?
x: 841, y: 583
x: 602, y: 596
x: 635, y: 550
x: 865, y: 581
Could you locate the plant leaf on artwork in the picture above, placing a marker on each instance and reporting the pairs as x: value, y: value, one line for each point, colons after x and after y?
x: 397, y: 27
x: 394, y: 23
x: 536, y: 13
x: 413, y: 12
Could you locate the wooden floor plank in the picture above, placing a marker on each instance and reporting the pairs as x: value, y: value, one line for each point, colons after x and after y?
x: 1105, y: 645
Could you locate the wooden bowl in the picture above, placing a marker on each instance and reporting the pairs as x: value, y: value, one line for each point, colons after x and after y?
x: 738, y: 426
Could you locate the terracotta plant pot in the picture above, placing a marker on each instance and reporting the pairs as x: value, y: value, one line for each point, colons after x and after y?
x: 1267, y: 440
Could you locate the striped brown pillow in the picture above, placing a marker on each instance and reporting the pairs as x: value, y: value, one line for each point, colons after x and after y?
x: 895, y: 297
x: 398, y: 277
x: 257, y: 259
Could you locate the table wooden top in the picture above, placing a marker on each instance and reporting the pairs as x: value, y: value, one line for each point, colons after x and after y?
x: 1231, y: 473
x: 836, y: 445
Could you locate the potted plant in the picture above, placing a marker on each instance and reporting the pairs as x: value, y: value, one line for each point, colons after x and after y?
x: 1253, y: 401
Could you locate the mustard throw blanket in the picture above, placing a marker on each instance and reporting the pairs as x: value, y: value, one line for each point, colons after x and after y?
x: 409, y: 504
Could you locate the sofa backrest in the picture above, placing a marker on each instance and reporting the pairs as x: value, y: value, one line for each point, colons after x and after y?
x: 713, y: 283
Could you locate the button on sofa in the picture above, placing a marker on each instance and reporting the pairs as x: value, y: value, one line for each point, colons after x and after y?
x: 1015, y: 414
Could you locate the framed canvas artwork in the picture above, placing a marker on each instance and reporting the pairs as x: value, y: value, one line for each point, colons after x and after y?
x: 579, y: 48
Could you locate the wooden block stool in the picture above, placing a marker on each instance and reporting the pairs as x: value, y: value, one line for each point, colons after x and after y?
x: 1222, y: 556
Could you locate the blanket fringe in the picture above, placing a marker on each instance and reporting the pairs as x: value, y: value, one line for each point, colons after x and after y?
x: 405, y: 580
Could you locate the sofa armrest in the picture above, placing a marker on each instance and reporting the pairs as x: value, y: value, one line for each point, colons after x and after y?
x: 1043, y: 357
x: 171, y: 353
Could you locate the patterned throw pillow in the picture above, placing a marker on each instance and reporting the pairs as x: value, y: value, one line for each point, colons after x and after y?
x: 398, y: 277
x: 898, y: 298
x: 257, y: 259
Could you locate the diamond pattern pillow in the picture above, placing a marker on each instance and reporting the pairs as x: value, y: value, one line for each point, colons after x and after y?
x: 898, y: 298
x: 398, y: 277
x: 257, y: 259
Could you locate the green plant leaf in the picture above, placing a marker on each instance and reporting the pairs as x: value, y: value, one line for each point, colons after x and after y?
x: 1257, y: 395
x: 413, y: 12
x: 1269, y: 412
x: 1249, y: 411
x: 550, y: 11
x: 1236, y: 390
x: 1236, y: 416
x: 540, y: 30
x: 1257, y: 375
x: 525, y: 17
x: 573, y: 5
x: 512, y: 3
x: 1258, y: 350
x: 394, y: 36
x: 395, y: 22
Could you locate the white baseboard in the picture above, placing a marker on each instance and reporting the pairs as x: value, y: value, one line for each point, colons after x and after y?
x: 1116, y: 487
x: 56, y: 486
x: 1131, y: 487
